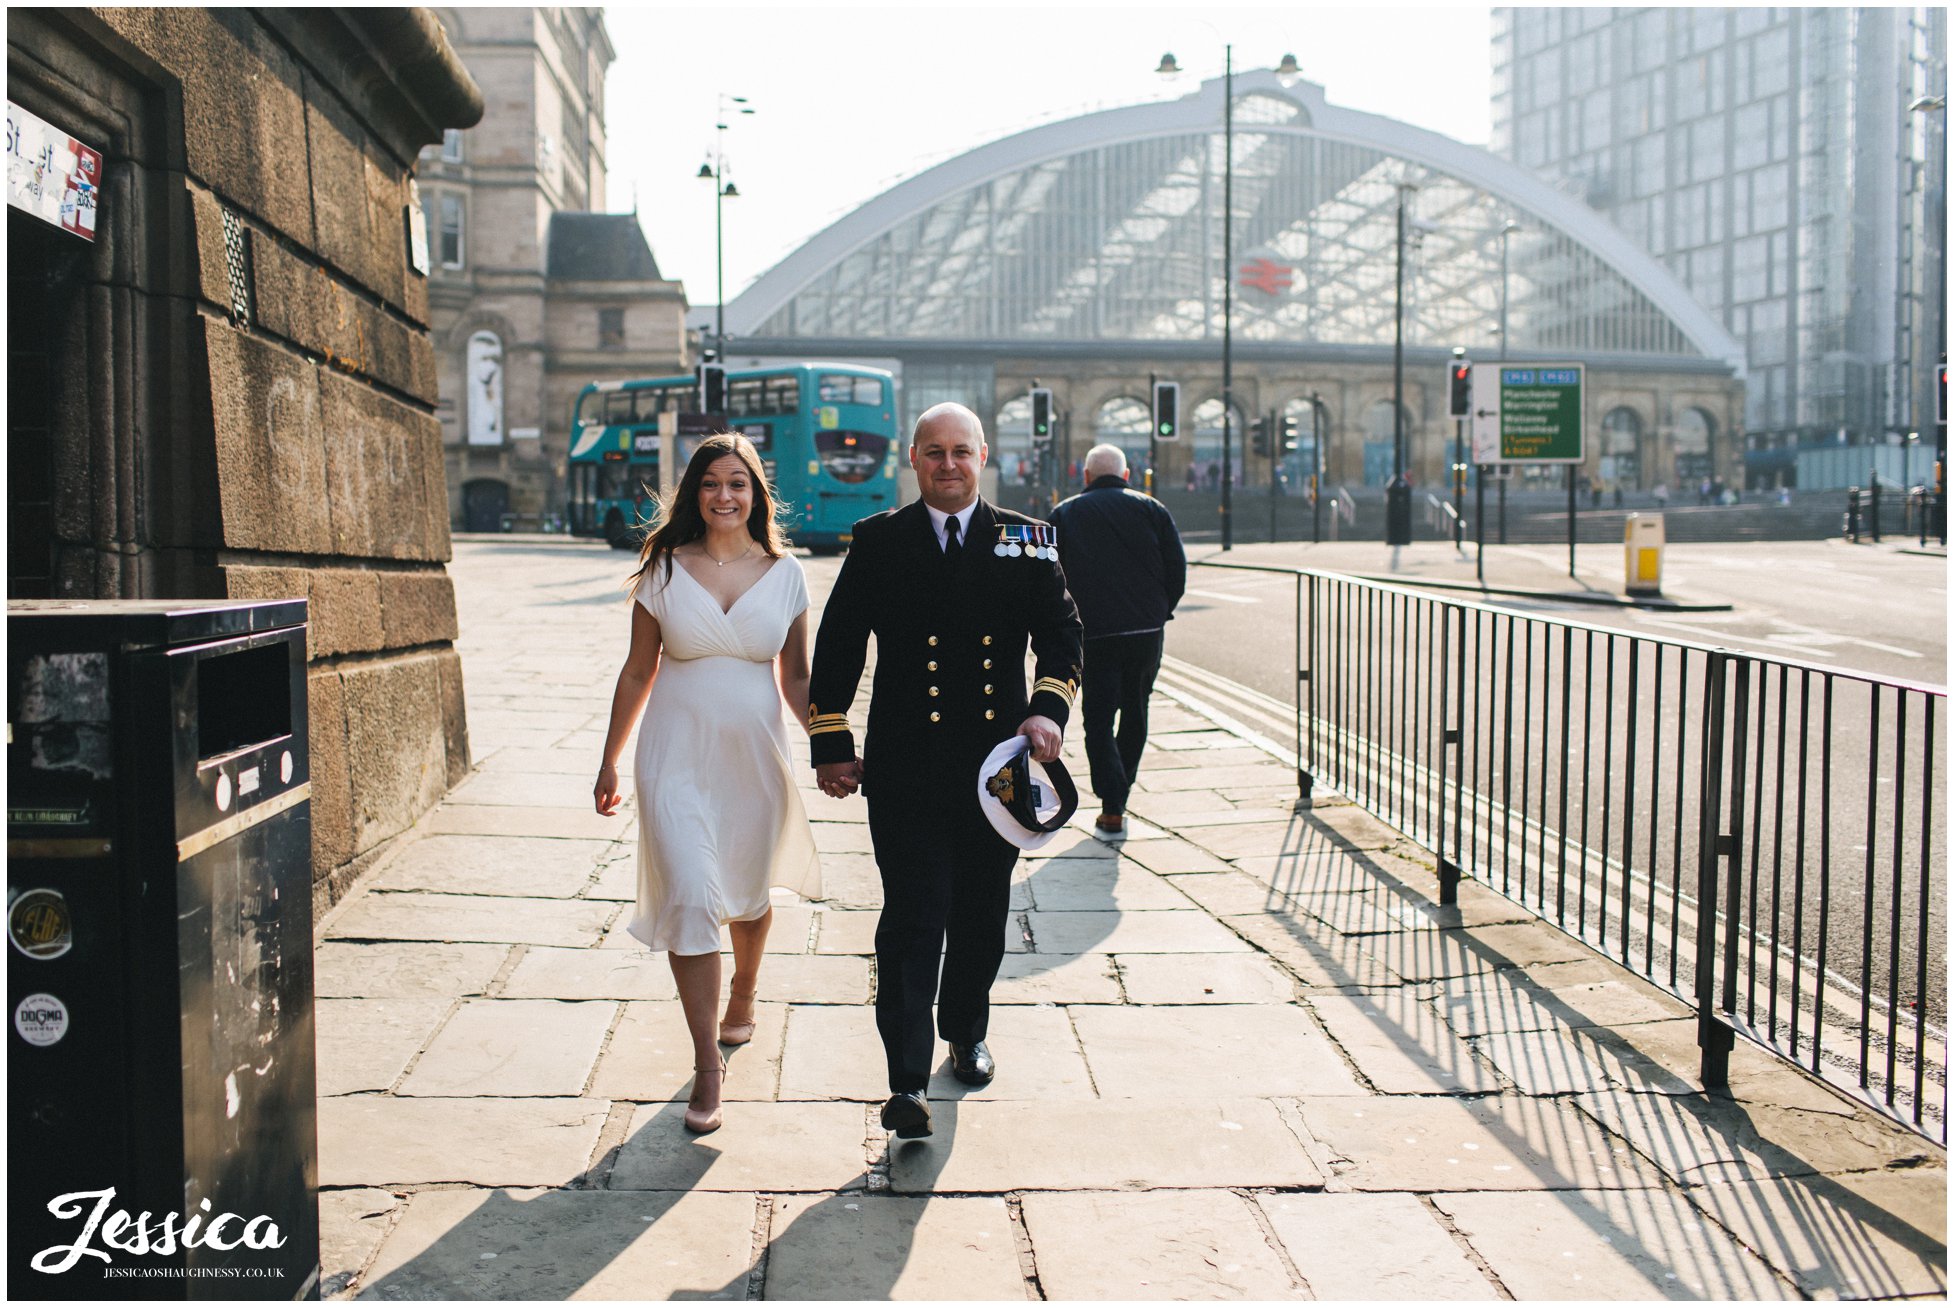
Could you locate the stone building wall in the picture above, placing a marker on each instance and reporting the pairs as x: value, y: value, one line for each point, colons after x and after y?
x: 252, y: 341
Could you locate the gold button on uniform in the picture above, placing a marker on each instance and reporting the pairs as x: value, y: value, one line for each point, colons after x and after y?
x: 933, y: 640
x: 932, y: 665
x: 987, y: 640
x: 989, y: 714
x: 936, y: 717
x: 987, y: 690
x: 932, y: 692
x: 987, y: 663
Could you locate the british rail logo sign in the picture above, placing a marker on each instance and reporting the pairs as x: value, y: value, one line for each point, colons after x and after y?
x: 50, y: 174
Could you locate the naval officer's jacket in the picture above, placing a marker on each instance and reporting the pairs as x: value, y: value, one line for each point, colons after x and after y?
x: 950, y: 641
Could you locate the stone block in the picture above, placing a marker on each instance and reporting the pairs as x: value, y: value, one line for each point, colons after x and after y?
x: 1129, y: 1144
x: 291, y: 296
x: 417, y: 608
x: 1203, y: 979
x: 454, y: 715
x: 377, y: 482
x: 270, y: 441
x: 546, y: 972
x: 1197, y: 1245
x: 245, y: 582
x: 1608, y: 1245
x: 550, y: 1245
x: 242, y: 106
x: 396, y: 744
x: 512, y: 1048
x: 1056, y: 979
x: 346, y: 611
x: 489, y: 920
x: 493, y: 865
x: 365, y: 1044
x: 884, y: 1248
x: 763, y: 1147
x: 213, y: 264
x: 1192, y: 1052
x: 350, y: 236
x: 1336, y: 1242
x: 381, y: 1140
x: 333, y: 840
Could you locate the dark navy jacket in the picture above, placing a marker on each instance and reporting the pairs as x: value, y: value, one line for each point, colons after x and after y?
x: 1122, y: 558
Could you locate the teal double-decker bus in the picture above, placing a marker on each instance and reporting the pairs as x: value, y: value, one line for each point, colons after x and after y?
x: 826, y: 434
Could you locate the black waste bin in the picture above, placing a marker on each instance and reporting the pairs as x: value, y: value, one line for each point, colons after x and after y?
x: 160, y: 907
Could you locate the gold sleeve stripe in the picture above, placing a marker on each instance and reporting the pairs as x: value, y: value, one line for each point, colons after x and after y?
x: 824, y: 728
x: 827, y: 717
x: 1065, y: 690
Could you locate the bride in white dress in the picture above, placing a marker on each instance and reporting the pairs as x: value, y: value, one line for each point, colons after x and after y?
x: 719, y: 612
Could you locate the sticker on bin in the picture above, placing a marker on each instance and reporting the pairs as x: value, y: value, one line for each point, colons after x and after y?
x: 41, y: 1019
x: 38, y: 922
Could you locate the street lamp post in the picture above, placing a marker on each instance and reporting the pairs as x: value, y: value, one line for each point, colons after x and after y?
x: 714, y: 171
x: 1505, y: 235
x: 1937, y: 223
x: 1397, y: 496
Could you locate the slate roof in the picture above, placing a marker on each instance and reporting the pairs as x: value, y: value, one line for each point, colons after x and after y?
x: 599, y: 247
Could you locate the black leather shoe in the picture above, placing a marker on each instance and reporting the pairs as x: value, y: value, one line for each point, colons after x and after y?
x: 972, y: 1064
x: 907, y: 1114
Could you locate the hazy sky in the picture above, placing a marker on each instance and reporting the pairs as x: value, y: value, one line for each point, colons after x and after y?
x: 849, y: 101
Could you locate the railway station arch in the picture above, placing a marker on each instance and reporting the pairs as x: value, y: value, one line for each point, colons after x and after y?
x: 1087, y: 254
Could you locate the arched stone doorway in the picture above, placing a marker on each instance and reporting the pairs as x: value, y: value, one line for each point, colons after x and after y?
x: 1696, y: 449
x: 1126, y: 422
x: 1621, y: 448
x: 483, y: 502
x: 1206, y: 454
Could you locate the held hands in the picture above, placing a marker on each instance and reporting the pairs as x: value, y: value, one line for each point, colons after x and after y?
x: 839, y: 780
x: 605, y: 791
x: 1044, y: 735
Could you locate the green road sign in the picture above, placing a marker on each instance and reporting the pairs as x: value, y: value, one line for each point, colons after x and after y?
x: 1532, y: 415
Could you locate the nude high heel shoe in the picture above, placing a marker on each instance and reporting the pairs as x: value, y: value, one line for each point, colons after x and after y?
x: 697, y: 1121
x: 739, y: 1033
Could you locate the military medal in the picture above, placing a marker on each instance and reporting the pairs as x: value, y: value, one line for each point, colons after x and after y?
x: 1001, y: 548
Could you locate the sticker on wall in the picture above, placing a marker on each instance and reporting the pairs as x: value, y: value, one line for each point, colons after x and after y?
x: 830, y: 417
x: 41, y: 1019
x: 50, y: 174
x: 39, y: 924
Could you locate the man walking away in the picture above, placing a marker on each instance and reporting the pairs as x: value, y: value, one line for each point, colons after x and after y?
x: 1125, y: 568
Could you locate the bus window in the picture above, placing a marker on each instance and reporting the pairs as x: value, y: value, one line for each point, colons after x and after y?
x: 840, y: 388
x: 658, y: 400
x: 850, y: 456
x: 760, y: 433
x: 752, y: 397
x: 620, y: 481
x: 617, y: 408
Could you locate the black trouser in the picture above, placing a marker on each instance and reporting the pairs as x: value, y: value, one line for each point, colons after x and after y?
x: 946, y: 892
x: 1119, y: 673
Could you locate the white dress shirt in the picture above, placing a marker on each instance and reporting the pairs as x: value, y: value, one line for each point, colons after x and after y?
x: 938, y: 518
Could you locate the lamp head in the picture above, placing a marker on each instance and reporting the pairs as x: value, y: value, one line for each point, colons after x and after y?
x: 1168, y: 68
x: 731, y: 192
x: 1288, y: 67
x: 705, y: 171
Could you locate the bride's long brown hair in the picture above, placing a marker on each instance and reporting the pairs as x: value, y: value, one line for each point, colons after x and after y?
x: 681, y: 523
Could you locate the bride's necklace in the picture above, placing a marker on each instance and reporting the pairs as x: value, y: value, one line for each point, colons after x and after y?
x: 723, y: 562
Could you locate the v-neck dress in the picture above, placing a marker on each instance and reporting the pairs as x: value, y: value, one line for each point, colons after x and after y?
x: 719, y: 817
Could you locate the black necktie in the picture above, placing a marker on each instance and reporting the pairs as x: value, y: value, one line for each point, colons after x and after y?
x: 952, y: 547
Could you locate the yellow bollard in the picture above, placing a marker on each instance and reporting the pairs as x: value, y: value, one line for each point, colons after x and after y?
x: 1642, y: 538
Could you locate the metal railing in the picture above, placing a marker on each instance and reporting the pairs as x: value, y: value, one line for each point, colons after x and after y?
x: 1443, y: 521
x: 1757, y: 836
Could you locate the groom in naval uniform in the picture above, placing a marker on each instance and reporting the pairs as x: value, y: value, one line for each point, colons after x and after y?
x: 952, y: 588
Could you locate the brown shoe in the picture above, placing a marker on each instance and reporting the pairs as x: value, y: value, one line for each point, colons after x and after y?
x: 1112, y: 823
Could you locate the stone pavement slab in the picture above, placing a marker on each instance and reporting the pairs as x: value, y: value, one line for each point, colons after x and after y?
x: 1056, y: 979
x: 512, y: 1047
x: 1608, y: 1244
x: 1169, y: 856
x: 549, y: 973
x: 763, y: 1146
x: 834, y: 1053
x: 352, y: 1223
x: 1505, y: 1142
x: 1004, y: 1145
x: 1173, y: 1244
x: 498, y: 865
x: 1591, y: 992
x: 365, y: 1044
x: 1203, y: 979
x: 1139, y: 1052
x: 386, y: 1141
x: 892, y: 1247
x: 1356, y: 1247
x: 788, y: 934
x: 567, y: 822
x: 650, y: 1056
x: 1399, y: 1046
x: 526, y: 790
x: 566, y: 1244
x: 1061, y: 885
x: 400, y: 970
x: 1166, y: 931
x: 1228, y: 893
x: 412, y: 915
x: 1314, y: 958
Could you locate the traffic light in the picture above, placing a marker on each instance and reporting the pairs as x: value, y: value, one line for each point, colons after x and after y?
x: 1041, y: 416
x: 1287, y: 431
x: 1940, y: 393
x: 1167, y: 411
x: 1461, y: 375
x: 1260, y: 432
x: 712, y: 388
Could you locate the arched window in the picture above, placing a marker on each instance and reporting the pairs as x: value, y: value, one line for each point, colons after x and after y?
x: 1011, y: 442
x: 1125, y: 422
x: 1621, y: 448
x: 1206, y: 454
x: 1380, y: 455
x: 1696, y: 441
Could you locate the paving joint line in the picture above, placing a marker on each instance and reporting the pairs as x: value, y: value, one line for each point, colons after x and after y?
x: 1472, y: 1255
x: 1021, y: 1240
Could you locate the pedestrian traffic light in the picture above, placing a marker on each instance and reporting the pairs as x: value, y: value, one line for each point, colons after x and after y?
x: 1287, y: 431
x: 1167, y: 411
x: 712, y: 388
x: 1260, y: 432
x: 1940, y: 393
x: 1041, y: 416
x: 1461, y: 375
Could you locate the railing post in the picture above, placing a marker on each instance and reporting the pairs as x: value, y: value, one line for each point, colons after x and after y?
x: 1449, y: 871
x: 1305, y: 684
x: 1715, y: 1038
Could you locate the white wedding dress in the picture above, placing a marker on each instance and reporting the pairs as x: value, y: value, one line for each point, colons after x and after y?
x: 719, y: 817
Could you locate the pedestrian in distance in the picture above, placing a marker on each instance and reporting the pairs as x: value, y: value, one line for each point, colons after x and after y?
x: 1126, y: 570
x: 718, y: 641
x: 952, y: 588
x: 1660, y: 495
